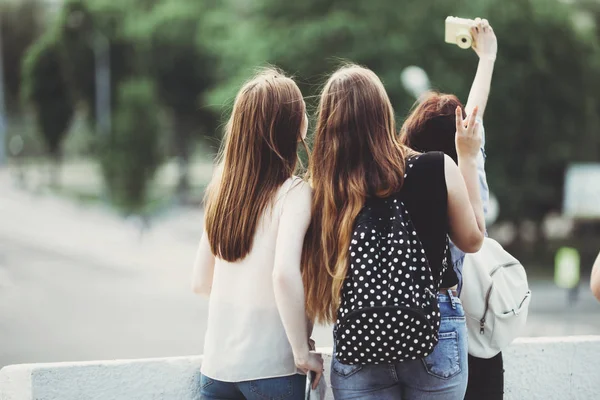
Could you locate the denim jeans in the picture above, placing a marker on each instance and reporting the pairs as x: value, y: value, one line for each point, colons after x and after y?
x: 281, y: 388
x: 441, y: 375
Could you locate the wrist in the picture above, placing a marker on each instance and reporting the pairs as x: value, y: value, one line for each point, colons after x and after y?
x: 467, y: 160
x: 301, y: 355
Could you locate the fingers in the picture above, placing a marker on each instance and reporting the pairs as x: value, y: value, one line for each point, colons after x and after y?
x: 318, y: 376
x: 317, y: 369
x: 472, y: 120
x: 459, y: 120
x: 485, y: 25
x: 478, y: 25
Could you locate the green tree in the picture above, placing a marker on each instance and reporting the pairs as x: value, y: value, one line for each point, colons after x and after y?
x: 131, y: 152
x: 543, y: 108
x: 84, y: 27
x: 183, y: 71
x: 21, y: 23
x: 45, y: 90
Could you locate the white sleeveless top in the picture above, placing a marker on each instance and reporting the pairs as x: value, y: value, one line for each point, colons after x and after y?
x: 245, y: 338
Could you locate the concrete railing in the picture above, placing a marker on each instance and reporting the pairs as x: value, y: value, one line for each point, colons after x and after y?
x: 536, y: 368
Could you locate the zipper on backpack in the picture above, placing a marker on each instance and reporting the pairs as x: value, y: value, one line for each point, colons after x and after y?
x: 489, y: 292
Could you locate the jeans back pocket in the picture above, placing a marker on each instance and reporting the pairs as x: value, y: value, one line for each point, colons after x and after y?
x: 344, y: 370
x: 444, y: 361
x: 273, y: 388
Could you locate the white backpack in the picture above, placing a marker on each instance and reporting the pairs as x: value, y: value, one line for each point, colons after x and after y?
x: 495, y: 296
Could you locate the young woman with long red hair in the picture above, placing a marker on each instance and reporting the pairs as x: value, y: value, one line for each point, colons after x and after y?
x: 370, y: 283
x: 248, y: 261
x: 430, y: 127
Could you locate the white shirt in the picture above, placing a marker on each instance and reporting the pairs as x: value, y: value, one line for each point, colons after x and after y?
x: 245, y: 337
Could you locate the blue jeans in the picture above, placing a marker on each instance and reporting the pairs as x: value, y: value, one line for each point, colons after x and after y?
x: 281, y: 388
x: 441, y: 375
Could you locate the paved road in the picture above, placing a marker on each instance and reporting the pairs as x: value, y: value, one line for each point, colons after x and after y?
x: 56, y: 308
x: 80, y: 284
x: 59, y: 308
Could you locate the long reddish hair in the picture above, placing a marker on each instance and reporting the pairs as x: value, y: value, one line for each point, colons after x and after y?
x: 356, y: 154
x: 431, y: 126
x: 258, y: 155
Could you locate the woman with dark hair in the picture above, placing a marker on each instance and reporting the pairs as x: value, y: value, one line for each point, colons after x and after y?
x: 430, y: 127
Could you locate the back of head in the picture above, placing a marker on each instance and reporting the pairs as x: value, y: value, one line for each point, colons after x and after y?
x: 431, y: 125
x: 355, y: 155
x: 259, y: 154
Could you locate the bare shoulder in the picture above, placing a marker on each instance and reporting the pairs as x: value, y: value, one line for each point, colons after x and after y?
x: 299, y: 190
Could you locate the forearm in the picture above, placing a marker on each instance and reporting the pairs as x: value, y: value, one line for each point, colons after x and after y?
x: 484, y: 190
x: 595, y: 280
x: 480, y: 89
x: 289, y: 296
x: 202, y: 285
x: 204, y: 267
x: 468, y: 169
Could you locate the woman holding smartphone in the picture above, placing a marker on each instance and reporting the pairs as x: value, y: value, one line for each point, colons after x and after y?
x: 248, y: 261
x: 430, y: 127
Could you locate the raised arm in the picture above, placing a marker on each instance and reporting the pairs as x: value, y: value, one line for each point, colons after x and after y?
x: 204, y: 268
x: 486, y: 47
x: 595, y: 280
x: 465, y: 209
x: 287, y: 277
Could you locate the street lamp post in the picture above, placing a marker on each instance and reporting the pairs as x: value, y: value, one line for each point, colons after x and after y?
x: 102, y: 80
x: 101, y: 48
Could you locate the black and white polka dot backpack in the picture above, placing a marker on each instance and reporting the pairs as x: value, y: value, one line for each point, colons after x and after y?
x: 389, y: 311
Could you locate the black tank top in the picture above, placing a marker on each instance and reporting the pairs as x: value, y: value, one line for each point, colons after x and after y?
x: 425, y: 195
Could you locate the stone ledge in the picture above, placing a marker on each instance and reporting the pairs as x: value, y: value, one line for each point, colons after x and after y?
x: 536, y: 368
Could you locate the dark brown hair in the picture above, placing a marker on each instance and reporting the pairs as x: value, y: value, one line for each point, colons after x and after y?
x: 431, y: 126
x: 259, y: 154
x: 356, y: 154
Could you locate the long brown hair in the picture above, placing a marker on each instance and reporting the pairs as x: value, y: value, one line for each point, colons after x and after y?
x: 431, y: 126
x: 355, y: 155
x: 259, y: 154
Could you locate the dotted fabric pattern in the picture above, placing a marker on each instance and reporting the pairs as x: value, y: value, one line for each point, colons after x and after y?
x: 389, y: 311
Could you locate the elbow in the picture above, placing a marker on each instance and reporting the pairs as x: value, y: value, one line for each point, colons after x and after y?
x: 201, y: 289
x: 474, y: 243
x: 282, y: 280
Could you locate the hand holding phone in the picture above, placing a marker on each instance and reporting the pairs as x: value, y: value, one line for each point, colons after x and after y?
x: 458, y: 31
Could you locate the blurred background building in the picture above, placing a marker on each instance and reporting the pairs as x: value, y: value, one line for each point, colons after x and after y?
x: 111, y: 113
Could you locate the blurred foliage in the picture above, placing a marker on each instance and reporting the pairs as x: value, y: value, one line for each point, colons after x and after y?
x: 131, y: 153
x: 44, y: 87
x: 543, y: 111
x: 82, y: 25
x: 183, y: 71
x: 21, y: 23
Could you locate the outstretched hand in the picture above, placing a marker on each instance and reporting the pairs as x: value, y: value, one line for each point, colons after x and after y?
x: 485, y: 43
x: 468, y: 139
